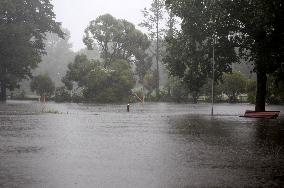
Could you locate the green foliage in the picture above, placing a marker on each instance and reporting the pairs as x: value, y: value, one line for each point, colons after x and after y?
x: 177, y: 89
x: 100, y: 84
x: 49, y: 111
x: 255, y: 27
x: 58, y: 55
x: 21, y: 95
x: 174, y: 91
x: 251, y: 90
x: 206, y: 90
x: 153, y: 18
x: 261, y: 35
x: 23, y: 27
x: 91, y: 54
x: 149, y: 81
x: 78, y: 71
x: 117, y: 39
x: 42, y: 85
x: 110, y: 85
x: 246, y: 68
x: 275, y: 90
x: 190, y: 52
x: 62, y: 95
x: 233, y: 85
x: 143, y: 67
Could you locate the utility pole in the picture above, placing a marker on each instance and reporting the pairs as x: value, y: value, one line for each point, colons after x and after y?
x: 157, y: 47
x: 212, y: 21
x: 213, y: 77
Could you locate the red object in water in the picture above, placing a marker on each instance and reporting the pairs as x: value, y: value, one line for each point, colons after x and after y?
x: 265, y: 115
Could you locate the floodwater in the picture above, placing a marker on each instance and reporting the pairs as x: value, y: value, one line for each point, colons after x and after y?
x: 155, y: 145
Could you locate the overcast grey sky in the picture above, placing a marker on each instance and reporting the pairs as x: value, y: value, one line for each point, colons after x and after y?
x: 75, y: 15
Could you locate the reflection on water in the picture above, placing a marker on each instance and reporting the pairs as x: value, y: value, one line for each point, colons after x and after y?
x: 155, y: 145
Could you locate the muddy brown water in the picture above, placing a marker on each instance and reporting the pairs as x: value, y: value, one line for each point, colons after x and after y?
x: 155, y: 145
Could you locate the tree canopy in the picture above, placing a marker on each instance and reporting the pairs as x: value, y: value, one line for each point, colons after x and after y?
x: 255, y: 28
x: 42, y: 85
x: 233, y: 85
x: 260, y: 37
x: 153, y: 18
x: 190, y: 52
x: 58, y: 55
x: 117, y: 39
x: 99, y: 84
x: 23, y: 28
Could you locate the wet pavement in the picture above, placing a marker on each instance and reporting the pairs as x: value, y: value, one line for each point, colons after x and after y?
x: 155, y: 145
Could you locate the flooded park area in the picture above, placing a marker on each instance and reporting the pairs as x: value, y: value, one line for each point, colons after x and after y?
x: 155, y: 145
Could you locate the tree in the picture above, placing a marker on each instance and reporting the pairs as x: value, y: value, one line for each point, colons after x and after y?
x: 58, y: 55
x: 111, y: 85
x: 149, y: 81
x: 233, y: 85
x: 77, y: 71
x: 143, y: 67
x: 275, y: 90
x: 152, y: 21
x: 91, y: 54
x: 99, y: 84
x: 251, y: 90
x: 119, y: 40
x: 116, y: 39
x: 178, y: 90
x: 190, y: 52
x: 206, y: 91
x: 262, y: 35
x: 23, y: 26
x: 254, y: 27
x: 42, y: 85
x: 62, y: 95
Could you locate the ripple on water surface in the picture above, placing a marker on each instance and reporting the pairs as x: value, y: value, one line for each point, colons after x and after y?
x: 155, y: 145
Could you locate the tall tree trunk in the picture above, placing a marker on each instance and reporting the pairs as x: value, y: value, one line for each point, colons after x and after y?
x: 263, y: 57
x: 3, y: 93
x: 261, y: 91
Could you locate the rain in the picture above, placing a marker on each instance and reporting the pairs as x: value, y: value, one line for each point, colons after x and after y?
x: 156, y: 93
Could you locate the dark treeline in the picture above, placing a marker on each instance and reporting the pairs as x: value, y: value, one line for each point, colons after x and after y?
x: 253, y: 28
x: 121, y: 63
x: 23, y: 28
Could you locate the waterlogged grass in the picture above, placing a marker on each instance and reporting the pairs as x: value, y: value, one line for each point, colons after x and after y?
x: 45, y: 110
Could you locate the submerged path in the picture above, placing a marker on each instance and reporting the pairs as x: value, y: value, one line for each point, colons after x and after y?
x: 155, y: 145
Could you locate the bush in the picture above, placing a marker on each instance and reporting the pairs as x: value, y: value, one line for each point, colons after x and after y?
x: 251, y: 91
x: 98, y: 83
x: 42, y: 85
x: 62, y: 95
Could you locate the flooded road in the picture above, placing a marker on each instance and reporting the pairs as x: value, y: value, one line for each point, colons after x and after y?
x: 155, y: 145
